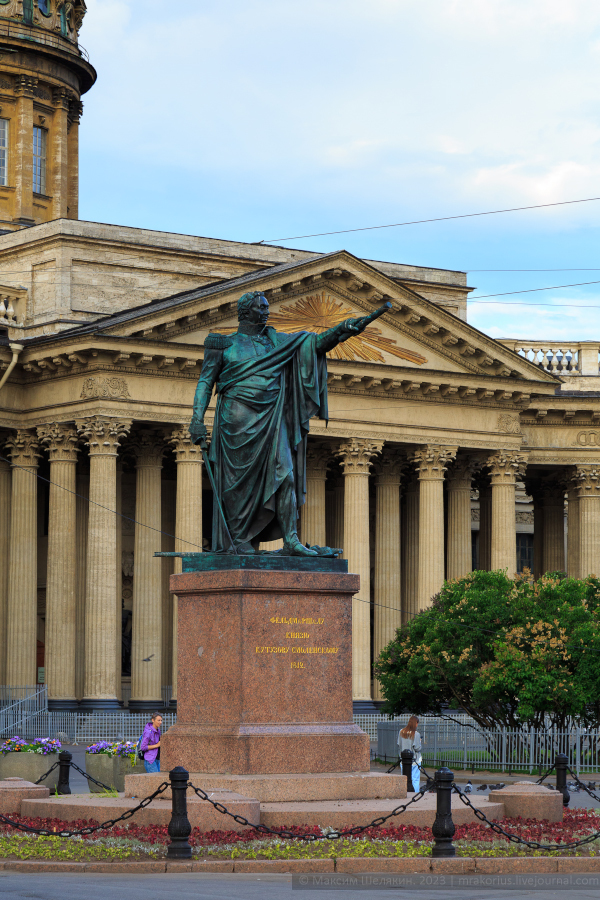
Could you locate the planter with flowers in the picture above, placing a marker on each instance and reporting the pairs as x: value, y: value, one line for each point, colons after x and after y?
x: 29, y: 760
x: 110, y: 763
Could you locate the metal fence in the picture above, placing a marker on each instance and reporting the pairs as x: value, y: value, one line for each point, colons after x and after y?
x: 9, y: 694
x: 527, y: 750
x: 369, y: 722
x: 80, y: 728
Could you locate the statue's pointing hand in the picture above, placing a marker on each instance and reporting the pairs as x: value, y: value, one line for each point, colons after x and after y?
x: 351, y: 327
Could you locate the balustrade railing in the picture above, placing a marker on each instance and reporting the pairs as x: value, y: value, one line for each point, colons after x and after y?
x: 564, y: 358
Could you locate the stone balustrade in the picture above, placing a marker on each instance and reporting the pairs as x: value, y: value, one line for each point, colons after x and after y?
x: 563, y: 358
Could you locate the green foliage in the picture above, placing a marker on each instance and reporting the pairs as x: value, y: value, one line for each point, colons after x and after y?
x: 508, y: 652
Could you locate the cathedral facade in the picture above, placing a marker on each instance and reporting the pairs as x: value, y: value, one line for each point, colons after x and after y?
x: 446, y: 450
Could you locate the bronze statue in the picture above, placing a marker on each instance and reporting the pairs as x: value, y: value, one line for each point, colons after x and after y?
x: 269, y: 385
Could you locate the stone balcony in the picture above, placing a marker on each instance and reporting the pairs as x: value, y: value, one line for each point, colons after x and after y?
x: 576, y: 363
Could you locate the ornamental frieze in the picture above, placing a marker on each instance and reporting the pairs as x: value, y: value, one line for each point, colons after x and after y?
x: 105, y: 388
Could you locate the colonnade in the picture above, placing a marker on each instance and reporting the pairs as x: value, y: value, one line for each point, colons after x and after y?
x: 403, y: 517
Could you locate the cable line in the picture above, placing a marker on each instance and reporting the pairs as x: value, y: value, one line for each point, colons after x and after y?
x: 491, y: 212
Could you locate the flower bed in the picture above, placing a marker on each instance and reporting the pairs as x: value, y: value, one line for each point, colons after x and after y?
x: 133, y: 841
x: 29, y: 760
x: 110, y: 762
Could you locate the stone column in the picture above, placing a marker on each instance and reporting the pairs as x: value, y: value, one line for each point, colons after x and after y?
x: 573, y: 532
x: 410, y: 550
x: 81, y: 536
x: 534, y: 490
x: 146, y: 644
x: 553, y: 500
x: 387, y: 596
x: 169, y: 489
x: 119, y: 583
x: 485, y: 521
x: 103, y: 436
x: 5, y: 491
x: 21, y: 630
x: 313, y: 511
x: 334, y: 513
x: 61, y: 442
x: 431, y: 463
x: 588, y: 480
x: 459, y: 554
x: 23, y: 143
x: 58, y: 154
x: 188, y: 514
x: 75, y: 110
x: 505, y: 466
x: 356, y: 457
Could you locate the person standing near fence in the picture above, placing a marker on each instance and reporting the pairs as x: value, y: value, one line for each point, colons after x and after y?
x: 150, y: 744
x: 410, y: 739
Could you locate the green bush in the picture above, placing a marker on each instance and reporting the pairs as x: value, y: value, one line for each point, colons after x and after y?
x: 508, y: 652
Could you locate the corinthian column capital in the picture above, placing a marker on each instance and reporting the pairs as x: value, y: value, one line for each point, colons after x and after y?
x: 148, y: 447
x: 318, y: 458
x: 506, y: 466
x: 60, y: 441
x: 23, y: 447
x: 587, y: 480
x: 432, y: 461
x: 356, y: 455
x: 182, y: 445
x: 461, y: 473
x: 389, y: 468
x: 103, y: 434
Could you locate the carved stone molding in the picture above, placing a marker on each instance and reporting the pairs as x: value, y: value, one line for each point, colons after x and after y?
x: 103, y: 435
x: 183, y: 447
x: 23, y: 448
x: 390, y: 468
x: 60, y: 441
x: 318, y: 459
x: 462, y: 472
x: 506, y: 467
x: 509, y: 424
x: 109, y: 388
x: 25, y: 85
x: 61, y: 98
x: 432, y: 461
x: 356, y: 456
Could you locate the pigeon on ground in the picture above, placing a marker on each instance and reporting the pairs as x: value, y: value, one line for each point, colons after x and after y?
x: 482, y: 787
x: 592, y: 785
x: 468, y: 788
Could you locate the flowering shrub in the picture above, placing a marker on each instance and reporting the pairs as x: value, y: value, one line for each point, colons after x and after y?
x: 43, y: 746
x: 124, y: 749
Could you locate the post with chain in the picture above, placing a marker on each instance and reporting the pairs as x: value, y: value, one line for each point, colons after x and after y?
x: 443, y: 828
x: 179, y: 827
x: 561, y: 763
x: 407, y: 757
x: 64, y: 769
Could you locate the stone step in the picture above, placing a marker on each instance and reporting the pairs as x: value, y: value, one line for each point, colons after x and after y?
x: 288, y: 788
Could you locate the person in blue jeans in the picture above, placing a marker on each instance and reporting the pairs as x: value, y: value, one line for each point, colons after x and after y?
x: 150, y: 745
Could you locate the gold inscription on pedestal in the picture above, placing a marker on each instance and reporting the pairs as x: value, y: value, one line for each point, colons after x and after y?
x: 296, y: 665
x: 284, y: 620
x: 272, y: 649
x: 297, y: 634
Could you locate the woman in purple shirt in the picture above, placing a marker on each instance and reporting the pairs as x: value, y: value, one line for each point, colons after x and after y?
x: 150, y: 745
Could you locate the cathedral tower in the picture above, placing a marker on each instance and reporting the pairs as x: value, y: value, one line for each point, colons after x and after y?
x: 43, y: 73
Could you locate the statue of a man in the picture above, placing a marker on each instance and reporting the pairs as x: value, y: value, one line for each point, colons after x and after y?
x: 269, y: 385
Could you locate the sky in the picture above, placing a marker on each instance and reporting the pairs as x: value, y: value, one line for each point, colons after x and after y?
x: 273, y: 119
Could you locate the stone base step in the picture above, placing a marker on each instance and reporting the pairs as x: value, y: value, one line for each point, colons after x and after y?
x: 200, y: 813
x: 345, y: 813
x: 279, y: 788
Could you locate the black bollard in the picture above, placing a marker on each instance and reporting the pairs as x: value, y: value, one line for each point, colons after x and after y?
x: 443, y: 828
x: 407, y: 757
x: 64, y: 768
x: 179, y: 827
x: 560, y: 764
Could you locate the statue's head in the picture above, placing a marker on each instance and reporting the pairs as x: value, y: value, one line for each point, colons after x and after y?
x: 253, y: 308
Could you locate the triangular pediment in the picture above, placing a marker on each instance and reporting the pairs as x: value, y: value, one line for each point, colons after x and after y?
x: 316, y: 294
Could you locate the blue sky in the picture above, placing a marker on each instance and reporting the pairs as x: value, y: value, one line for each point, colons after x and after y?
x: 264, y: 119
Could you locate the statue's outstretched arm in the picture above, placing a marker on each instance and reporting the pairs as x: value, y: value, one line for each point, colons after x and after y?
x: 211, y: 367
x: 334, y: 336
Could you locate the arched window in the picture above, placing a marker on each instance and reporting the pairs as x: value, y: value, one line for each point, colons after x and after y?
x: 44, y: 7
x: 28, y: 12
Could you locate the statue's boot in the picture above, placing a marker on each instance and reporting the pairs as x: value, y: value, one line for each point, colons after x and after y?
x: 245, y: 547
x: 293, y: 546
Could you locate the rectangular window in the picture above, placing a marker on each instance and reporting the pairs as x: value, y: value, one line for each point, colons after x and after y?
x: 39, y: 160
x: 3, y: 151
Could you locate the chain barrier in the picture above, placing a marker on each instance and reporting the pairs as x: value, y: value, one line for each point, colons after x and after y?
x: 89, y: 777
x: 91, y: 828
x: 331, y: 836
x: 514, y: 838
x: 430, y: 780
x: 545, y: 775
x: 45, y: 775
x: 580, y: 784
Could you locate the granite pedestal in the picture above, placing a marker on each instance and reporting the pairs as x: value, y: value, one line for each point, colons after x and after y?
x: 265, y: 668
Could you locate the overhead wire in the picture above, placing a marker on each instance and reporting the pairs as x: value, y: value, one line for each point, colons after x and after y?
x: 490, y: 212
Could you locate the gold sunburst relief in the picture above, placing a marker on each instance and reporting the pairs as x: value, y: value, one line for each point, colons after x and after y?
x: 319, y: 312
